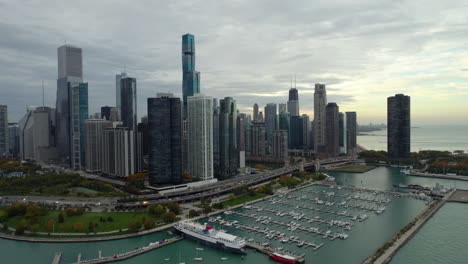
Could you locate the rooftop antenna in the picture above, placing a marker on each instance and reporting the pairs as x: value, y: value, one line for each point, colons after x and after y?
x: 43, y: 104
x: 291, y: 82
x: 294, y: 81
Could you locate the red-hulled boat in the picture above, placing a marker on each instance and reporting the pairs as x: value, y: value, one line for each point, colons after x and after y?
x: 283, y: 258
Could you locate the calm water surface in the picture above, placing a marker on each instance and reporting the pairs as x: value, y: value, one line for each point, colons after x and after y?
x: 422, y: 138
x: 365, y: 237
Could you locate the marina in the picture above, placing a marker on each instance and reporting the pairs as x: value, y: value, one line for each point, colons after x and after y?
x: 364, y: 237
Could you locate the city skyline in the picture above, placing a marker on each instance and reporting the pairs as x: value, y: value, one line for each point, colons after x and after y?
x: 359, y: 72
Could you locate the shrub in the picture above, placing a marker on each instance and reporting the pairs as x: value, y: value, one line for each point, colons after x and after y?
x: 60, y: 218
x: 134, y: 227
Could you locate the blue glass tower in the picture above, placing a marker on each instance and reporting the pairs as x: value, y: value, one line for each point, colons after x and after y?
x: 190, y: 77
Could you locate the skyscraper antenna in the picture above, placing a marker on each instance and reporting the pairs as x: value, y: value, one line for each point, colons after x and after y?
x: 43, y: 104
x: 294, y: 81
x: 291, y: 81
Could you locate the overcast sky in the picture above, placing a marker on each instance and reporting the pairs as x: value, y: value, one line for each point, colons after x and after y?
x: 364, y: 51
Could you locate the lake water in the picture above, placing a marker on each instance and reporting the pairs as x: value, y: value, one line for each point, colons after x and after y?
x: 422, y: 138
x: 364, y: 237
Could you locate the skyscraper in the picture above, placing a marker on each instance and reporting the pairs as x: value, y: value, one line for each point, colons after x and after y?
x: 95, y: 151
x: 119, y: 151
x: 71, y: 106
x: 332, y: 130
x: 190, y: 77
x: 306, y: 131
x: 341, y: 132
x: 3, y: 129
x: 128, y: 103
x: 296, y: 133
x: 13, y: 139
x: 320, y: 102
x: 351, y: 133
x: 165, y: 135
x: 216, y: 150
x: 255, y: 112
x: 200, y: 137
x: 282, y: 108
x: 257, y: 133
x: 270, y: 124
x: 36, y: 138
x: 280, y: 144
x: 78, y: 114
x: 399, y: 127
x: 118, y: 92
x: 229, y: 153
x: 293, y: 102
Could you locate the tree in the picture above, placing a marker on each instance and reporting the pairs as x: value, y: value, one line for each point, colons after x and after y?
x: 32, y: 210
x: 78, y: 226
x: 206, y: 201
x: 90, y: 227
x: 3, y: 216
x: 110, y: 219
x: 174, y: 207
x: 156, y: 209
x: 193, y: 213
x: 148, y: 223
x: 206, y: 209
x: 21, y: 227
x: 169, y: 217
x: 134, y: 227
x: 231, y: 196
x: 61, y: 218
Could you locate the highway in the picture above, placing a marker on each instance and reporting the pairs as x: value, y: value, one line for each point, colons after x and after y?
x: 193, y: 194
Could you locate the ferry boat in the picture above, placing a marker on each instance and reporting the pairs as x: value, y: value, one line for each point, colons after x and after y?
x: 208, y: 235
x: 283, y: 258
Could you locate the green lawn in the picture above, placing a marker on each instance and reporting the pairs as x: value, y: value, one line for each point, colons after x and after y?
x: 119, y: 221
x: 243, y: 198
x: 354, y: 168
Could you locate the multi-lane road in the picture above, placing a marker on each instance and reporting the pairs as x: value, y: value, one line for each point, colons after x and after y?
x: 188, y: 195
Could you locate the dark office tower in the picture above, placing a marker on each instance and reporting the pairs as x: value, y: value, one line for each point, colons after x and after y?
x: 399, y: 127
x: 70, y: 75
x: 143, y: 129
x: 332, y: 130
x: 255, y: 112
x: 4, y: 138
x: 118, y: 92
x: 216, y: 150
x: 241, y: 120
x: 296, y: 133
x: 229, y: 154
x: 293, y: 102
x: 341, y: 132
x: 306, y: 131
x: 270, y: 124
x: 190, y: 77
x: 320, y: 102
x: 351, y: 132
x: 165, y: 136
x: 106, y: 112
x: 128, y: 103
x: 293, y: 95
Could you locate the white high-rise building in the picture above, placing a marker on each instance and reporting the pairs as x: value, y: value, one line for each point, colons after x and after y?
x: 320, y: 102
x: 200, y: 137
x: 95, y: 151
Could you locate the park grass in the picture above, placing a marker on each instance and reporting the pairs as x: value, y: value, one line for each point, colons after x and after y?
x: 243, y: 199
x: 120, y: 220
x: 354, y: 168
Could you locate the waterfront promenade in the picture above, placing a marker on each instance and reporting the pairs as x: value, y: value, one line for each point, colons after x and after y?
x: 399, y: 240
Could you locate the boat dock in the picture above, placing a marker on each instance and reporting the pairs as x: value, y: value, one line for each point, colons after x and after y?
x: 269, y: 250
x: 124, y: 255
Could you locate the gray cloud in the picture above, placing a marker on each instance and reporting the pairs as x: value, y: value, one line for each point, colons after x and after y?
x: 243, y: 47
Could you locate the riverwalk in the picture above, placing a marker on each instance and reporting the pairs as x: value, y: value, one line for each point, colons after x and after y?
x: 440, y: 176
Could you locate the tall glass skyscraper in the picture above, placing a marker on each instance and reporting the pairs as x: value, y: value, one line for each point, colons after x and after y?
x: 320, y: 102
x: 71, y: 106
x: 399, y: 127
x: 128, y: 103
x: 229, y: 153
x: 190, y: 77
x: 200, y: 137
x: 165, y: 136
x: 3, y: 129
